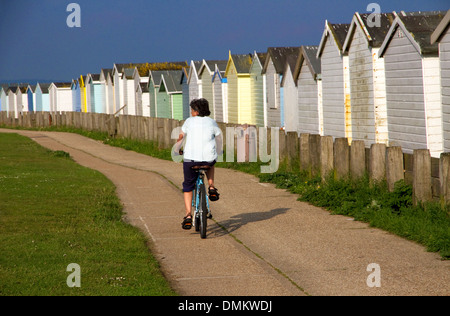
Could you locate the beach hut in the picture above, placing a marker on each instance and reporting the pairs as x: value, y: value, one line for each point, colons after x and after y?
x: 220, y: 94
x: 4, y: 97
x: 1, y: 98
x: 129, y: 91
x: 205, y: 74
x: 142, y: 71
x: 194, y: 82
x: 12, y: 101
x: 118, y: 86
x: 413, y: 82
x: 82, y: 91
x: 239, y: 89
x: 335, y: 81
x: 185, y: 89
x: 273, y: 70
x: 76, y: 95
x: 106, y: 82
x: 307, y: 76
x: 170, y: 95
x: 124, y: 94
x: 154, y: 81
x: 142, y: 100
x: 31, y: 96
x: 60, y: 97
x: 442, y: 36
x: 42, y: 97
x: 140, y: 76
x: 257, y: 86
x: 367, y: 78
x: 95, y: 96
x: 22, y: 99
x: 83, y: 95
x: 290, y: 93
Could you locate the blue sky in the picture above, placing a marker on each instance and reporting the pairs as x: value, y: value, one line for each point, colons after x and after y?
x: 38, y: 44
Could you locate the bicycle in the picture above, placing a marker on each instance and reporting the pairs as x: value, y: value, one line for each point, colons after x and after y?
x: 200, y: 202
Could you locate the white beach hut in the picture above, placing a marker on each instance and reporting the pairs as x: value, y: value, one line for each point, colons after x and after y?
x: 60, y: 97
x: 442, y: 36
x: 367, y: 78
x: 413, y: 82
x: 308, y: 79
x: 220, y: 90
x: 194, y: 81
x: 335, y: 81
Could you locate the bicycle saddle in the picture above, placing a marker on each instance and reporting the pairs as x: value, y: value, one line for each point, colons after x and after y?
x: 201, y: 167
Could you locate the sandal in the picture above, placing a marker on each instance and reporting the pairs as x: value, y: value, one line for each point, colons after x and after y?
x: 213, y: 194
x: 187, y: 222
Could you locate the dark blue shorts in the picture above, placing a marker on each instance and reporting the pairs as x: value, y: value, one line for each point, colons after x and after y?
x: 190, y: 176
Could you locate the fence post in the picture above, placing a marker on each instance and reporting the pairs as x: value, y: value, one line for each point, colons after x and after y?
x: 314, y: 152
x: 151, y: 134
x: 326, y: 156
x: 283, y: 151
x: 305, y: 162
x: 377, y: 162
x: 421, y: 176
x: 444, y: 177
x: 156, y: 130
x: 341, y: 157
x: 357, y: 159
x: 292, y: 145
x: 394, y: 166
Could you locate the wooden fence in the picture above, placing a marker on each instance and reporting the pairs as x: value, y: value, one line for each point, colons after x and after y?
x: 430, y: 177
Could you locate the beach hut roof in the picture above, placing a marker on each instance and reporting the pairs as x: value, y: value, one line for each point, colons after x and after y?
x: 172, y: 80
x: 418, y: 27
x: 279, y: 56
x: 441, y: 28
x: 375, y: 34
x: 338, y: 32
x: 308, y: 54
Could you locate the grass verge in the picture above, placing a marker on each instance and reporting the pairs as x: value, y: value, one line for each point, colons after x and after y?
x: 54, y: 212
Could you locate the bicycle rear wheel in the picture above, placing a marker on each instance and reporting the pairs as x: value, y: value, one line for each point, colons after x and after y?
x: 196, y: 216
x: 203, y: 211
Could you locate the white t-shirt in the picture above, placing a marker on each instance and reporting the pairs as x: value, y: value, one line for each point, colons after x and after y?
x: 200, y: 133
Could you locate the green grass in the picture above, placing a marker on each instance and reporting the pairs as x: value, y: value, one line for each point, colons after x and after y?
x: 54, y: 212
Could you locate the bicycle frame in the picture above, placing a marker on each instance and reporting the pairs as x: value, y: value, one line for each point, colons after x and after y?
x: 196, y: 198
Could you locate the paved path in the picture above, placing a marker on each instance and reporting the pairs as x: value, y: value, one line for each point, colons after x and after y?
x: 262, y: 240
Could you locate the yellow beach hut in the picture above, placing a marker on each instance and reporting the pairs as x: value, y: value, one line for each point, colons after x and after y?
x: 83, y: 93
x: 239, y: 89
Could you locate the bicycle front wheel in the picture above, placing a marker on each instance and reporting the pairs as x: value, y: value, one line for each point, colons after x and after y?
x: 203, y: 211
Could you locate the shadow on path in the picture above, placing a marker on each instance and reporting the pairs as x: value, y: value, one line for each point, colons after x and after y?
x: 237, y: 221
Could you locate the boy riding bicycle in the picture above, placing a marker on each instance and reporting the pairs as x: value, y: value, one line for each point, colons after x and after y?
x: 203, y: 138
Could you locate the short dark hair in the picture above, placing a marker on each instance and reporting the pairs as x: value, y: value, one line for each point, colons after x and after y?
x: 201, y: 106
